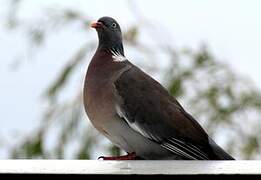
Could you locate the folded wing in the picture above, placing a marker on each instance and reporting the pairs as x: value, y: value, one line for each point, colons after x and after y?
x: 150, y: 110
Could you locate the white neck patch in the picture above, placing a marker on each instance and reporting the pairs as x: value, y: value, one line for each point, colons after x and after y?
x: 118, y: 57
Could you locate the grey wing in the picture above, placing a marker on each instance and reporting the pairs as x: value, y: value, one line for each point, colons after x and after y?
x: 150, y: 110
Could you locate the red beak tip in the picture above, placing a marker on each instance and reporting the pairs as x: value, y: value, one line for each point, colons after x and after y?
x: 93, y: 25
x: 96, y: 24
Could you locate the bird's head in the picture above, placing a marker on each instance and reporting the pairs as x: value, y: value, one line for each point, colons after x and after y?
x: 109, y: 33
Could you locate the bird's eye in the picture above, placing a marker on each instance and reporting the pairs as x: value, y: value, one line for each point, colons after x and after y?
x: 113, y: 25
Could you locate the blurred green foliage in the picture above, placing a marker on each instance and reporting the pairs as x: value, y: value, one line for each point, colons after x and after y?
x: 221, y: 100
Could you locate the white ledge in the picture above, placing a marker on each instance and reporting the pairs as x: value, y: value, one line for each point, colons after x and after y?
x: 129, y: 167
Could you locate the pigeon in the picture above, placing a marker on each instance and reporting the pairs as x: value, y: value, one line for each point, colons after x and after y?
x: 135, y: 112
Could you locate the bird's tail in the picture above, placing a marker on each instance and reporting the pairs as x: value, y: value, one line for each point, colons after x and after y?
x: 218, y: 152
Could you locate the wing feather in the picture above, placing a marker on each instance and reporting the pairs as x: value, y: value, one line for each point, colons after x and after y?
x: 151, y: 111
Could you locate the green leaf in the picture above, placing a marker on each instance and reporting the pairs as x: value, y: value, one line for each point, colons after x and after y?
x: 176, y: 87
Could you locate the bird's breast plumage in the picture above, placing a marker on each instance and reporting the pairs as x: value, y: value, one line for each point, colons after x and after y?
x: 98, y: 88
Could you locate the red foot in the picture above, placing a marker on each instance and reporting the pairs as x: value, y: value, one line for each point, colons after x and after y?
x: 129, y: 156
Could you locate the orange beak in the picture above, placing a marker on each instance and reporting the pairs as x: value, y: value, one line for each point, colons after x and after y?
x: 96, y: 25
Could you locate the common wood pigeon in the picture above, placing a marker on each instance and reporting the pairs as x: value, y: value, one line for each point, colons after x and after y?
x: 137, y: 113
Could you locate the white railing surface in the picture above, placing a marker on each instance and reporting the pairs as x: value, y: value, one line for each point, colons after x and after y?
x: 129, y: 167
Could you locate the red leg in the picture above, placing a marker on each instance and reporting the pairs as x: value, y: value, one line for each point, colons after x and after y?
x: 129, y: 156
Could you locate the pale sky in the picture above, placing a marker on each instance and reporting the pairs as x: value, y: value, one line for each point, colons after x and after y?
x: 231, y: 28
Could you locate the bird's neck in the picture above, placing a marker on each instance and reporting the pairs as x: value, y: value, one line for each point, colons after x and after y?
x: 103, y: 64
x: 114, y: 48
